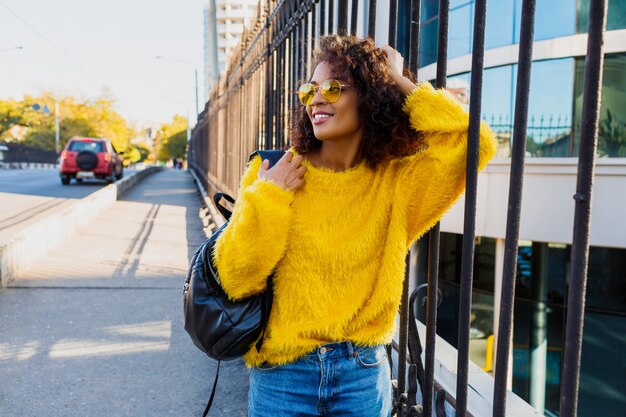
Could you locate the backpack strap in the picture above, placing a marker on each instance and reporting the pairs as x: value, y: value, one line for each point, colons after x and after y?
x: 217, y: 375
x: 217, y: 199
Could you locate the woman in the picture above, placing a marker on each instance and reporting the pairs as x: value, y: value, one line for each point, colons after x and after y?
x: 376, y: 162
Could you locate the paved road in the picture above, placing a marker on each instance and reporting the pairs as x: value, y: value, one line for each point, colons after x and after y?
x: 30, y: 194
x: 95, y: 328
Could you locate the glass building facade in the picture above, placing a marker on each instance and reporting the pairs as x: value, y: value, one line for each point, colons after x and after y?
x: 539, y: 320
x: 554, y: 119
x: 555, y: 106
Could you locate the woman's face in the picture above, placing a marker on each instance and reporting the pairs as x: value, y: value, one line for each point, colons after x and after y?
x: 338, y: 120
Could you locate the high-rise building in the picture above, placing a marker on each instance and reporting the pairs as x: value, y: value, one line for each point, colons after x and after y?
x: 224, y: 21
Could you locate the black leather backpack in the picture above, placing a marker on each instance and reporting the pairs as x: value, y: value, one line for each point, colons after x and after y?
x: 221, y: 328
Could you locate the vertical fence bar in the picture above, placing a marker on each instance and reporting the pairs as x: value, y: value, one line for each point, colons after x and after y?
x: 371, y: 24
x: 268, y: 88
x: 274, y: 94
x: 433, y: 235
x: 279, y: 95
x: 305, y: 45
x: 404, y: 320
x: 393, y: 24
x: 313, y: 26
x: 354, y: 17
x: 582, y: 215
x: 469, y: 225
x: 331, y: 16
x: 296, y: 45
x: 322, y: 19
x: 414, y: 346
x: 302, y: 53
x: 342, y: 17
x: 403, y: 340
x: 416, y: 6
x: 505, y: 322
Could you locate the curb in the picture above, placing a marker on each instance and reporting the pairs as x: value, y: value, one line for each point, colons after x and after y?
x: 216, y: 216
x: 35, y: 241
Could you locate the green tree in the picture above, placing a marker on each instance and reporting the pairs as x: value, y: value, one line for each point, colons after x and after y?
x: 171, y: 139
x: 78, y: 117
x: 611, y: 136
x: 177, y: 145
x: 144, y: 151
x: 132, y: 155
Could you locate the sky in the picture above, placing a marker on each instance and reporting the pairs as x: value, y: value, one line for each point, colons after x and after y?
x: 84, y: 48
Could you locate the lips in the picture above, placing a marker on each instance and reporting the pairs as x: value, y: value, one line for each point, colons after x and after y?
x: 319, y: 117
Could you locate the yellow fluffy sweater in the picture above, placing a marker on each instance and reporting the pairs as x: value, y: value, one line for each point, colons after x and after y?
x: 338, y: 244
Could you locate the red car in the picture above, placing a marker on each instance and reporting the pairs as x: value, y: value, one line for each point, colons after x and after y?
x: 90, y: 158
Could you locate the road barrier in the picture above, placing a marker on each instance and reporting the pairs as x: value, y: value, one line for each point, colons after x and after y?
x: 35, y: 241
x: 27, y: 165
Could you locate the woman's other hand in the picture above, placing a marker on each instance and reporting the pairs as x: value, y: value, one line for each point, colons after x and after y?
x: 396, y: 65
x: 287, y: 173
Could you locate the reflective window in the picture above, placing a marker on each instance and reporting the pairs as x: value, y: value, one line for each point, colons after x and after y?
x: 612, y: 126
x: 616, y: 17
x: 553, y: 18
x: 78, y: 146
x: 539, y: 322
x: 500, y: 30
x: 428, y: 32
x: 481, y: 326
x: 539, y: 319
x: 461, y: 27
x: 497, y: 105
x: 550, y: 108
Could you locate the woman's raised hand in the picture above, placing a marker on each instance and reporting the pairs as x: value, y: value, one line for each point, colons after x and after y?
x: 396, y: 66
x: 287, y: 173
x: 396, y: 61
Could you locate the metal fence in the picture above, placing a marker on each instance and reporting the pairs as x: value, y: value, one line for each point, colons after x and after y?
x: 16, y: 152
x: 249, y: 110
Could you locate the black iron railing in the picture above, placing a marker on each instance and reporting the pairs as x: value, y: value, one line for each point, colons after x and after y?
x: 249, y: 109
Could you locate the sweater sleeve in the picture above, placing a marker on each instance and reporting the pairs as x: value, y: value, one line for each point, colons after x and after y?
x: 431, y: 180
x: 255, y: 238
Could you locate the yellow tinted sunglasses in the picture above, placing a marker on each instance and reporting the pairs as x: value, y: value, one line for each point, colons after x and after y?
x: 331, y: 90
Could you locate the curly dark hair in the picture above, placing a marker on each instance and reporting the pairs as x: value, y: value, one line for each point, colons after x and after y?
x: 387, y: 133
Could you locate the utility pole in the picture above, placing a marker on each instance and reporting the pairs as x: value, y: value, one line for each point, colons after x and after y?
x: 56, y: 127
x: 197, y: 112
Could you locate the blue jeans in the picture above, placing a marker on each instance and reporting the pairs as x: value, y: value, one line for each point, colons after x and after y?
x: 338, y: 379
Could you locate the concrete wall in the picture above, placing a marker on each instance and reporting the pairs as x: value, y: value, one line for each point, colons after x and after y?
x: 35, y: 241
x: 547, y: 202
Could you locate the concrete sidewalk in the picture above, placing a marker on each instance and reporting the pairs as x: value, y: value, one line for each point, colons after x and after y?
x: 95, y: 328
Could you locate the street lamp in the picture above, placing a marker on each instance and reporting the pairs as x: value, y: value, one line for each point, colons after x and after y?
x: 195, y: 69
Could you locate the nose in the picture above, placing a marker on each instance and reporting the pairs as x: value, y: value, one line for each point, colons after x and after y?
x: 318, y: 98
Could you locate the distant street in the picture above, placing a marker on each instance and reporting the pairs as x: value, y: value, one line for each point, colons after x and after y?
x: 29, y: 194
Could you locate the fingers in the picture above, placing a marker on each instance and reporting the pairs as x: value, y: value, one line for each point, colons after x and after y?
x: 301, y: 170
x: 297, y: 160
x: 288, y: 156
x: 288, y: 172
